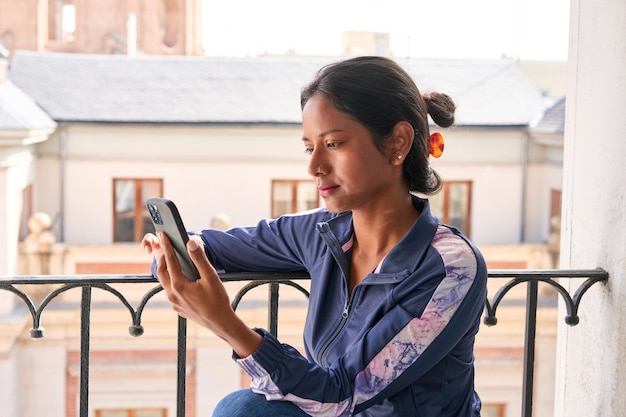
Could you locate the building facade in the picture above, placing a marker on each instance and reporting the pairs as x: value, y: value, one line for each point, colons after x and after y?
x: 144, y: 27
x: 232, y: 146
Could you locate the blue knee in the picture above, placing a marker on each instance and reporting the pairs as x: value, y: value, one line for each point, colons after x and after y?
x: 245, y: 403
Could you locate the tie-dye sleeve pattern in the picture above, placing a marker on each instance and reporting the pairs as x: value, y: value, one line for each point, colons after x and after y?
x: 408, y: 345
x: 273, y: 355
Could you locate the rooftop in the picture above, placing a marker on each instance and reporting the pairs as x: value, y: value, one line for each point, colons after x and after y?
x: 155, y: 89
x: 19, y: 112
x: 553, y: 120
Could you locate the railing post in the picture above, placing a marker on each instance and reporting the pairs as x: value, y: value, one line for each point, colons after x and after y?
x: 529, y: 348
x: 272, y: 318
x: 85, y: 333
x: 182, y: 367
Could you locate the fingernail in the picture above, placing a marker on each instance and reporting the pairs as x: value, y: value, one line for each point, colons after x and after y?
x: 193, y: 245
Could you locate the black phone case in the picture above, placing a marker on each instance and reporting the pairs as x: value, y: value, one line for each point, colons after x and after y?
x: 165, y: 218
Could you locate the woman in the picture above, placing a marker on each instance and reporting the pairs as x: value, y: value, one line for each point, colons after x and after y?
x: 396, y: 297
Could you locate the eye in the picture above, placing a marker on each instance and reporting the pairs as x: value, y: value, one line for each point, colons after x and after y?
x: 308, y: 151
x: 331, y: 145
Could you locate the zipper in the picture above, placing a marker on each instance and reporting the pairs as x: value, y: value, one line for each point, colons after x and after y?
x: 338, y: 329
x: 337, y: 253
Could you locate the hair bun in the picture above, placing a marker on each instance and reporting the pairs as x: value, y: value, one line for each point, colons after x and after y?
x: 441, y: 108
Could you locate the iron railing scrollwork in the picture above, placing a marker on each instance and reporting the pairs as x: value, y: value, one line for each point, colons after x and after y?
x: 274, y: 280
x: 533, y: 278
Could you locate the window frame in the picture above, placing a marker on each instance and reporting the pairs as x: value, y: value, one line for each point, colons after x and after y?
x: 294, y: 195
x: 139, y: 209
x: 58, y: 21
x: 444, y: 217
x: 499, y: 408
x: 556, y: 202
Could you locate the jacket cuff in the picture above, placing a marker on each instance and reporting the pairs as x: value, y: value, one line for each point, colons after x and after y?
x: 265, y: 359
x: 153, y: 268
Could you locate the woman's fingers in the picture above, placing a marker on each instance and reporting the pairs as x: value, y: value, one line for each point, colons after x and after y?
x: 204, y: 301
x: 162, y: 272
x: 168, y: 269
x: 175, y: 279
x: 150, y: 243
x: 195, y: 248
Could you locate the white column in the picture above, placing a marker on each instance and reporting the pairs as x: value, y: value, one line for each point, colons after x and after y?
x: 7, y: 246
x: 591, y: 365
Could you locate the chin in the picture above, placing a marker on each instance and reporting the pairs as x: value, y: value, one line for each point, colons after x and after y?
x: 336, y: 210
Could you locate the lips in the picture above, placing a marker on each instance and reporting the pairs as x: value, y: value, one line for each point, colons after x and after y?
x: 326, y: 190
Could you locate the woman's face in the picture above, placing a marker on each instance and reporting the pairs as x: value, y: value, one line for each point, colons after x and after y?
x: 349, y: 171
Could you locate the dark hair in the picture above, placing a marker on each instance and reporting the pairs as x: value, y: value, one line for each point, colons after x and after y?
x: 379, y: 94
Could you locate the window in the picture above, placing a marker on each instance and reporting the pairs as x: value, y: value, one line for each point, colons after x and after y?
x: 453, y: 205
x: 61, y: 21
x: 131, y: 219
x: 157, y: 412
x: 492, y: 410
x: 555, y: 203
x: 292, y: 196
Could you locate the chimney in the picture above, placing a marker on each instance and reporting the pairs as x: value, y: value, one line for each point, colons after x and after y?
x: 131, y: 34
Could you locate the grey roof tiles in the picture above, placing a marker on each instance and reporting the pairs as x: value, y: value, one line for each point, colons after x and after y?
x: 122, y: 89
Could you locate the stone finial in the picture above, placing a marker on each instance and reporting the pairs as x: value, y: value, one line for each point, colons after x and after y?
x: 220, y: 221
x: 38, y: 244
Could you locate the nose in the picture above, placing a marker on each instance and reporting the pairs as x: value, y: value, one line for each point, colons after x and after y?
x: 316, y: 164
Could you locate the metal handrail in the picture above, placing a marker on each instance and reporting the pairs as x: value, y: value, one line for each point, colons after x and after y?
x: 274, y: 280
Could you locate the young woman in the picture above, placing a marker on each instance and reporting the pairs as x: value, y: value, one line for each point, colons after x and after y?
x: 396, y: 296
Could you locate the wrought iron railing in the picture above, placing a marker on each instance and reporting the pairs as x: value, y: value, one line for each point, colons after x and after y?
x: 274, y: 280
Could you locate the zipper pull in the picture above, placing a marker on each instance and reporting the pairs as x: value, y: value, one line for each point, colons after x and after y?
x: 346, y: 308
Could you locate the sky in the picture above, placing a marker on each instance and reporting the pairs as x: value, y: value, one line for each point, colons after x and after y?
x: 519, y: 29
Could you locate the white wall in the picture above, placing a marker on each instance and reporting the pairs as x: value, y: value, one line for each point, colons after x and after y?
x: 9, y: 391
x: 492, y: 161
x: 541, y: 179
x: 41, y: 381
x: 207, y: 170
x: 4, y: 220
x: 592, y: 355
x: 16, y: 173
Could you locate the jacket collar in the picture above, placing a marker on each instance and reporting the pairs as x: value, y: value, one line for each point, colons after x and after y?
x: 411, y: 250
x: 405, y: 256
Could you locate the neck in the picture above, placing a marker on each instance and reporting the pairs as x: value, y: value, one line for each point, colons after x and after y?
x: 376, y: 232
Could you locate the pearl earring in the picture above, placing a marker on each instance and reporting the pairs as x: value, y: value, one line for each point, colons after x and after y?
x: 399, y: 156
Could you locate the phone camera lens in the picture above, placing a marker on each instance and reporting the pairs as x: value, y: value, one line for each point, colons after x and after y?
x: 154, y: 213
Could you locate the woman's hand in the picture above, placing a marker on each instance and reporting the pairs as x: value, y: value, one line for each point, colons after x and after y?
x: 204, y: 301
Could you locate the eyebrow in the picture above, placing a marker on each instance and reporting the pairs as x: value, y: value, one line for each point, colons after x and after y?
x: 326, y: 133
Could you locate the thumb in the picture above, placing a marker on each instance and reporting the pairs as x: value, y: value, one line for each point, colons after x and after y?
x: 199, y: 258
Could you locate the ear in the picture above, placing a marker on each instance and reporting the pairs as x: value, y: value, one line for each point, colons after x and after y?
x: 401, y: 141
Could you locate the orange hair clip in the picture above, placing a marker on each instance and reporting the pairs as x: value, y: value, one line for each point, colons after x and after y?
x: 436, y: 144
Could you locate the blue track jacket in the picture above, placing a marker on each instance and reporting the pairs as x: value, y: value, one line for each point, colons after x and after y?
x: 400, y: 345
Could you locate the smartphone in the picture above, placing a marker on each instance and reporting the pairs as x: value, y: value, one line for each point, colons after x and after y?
x: 165, y: 218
